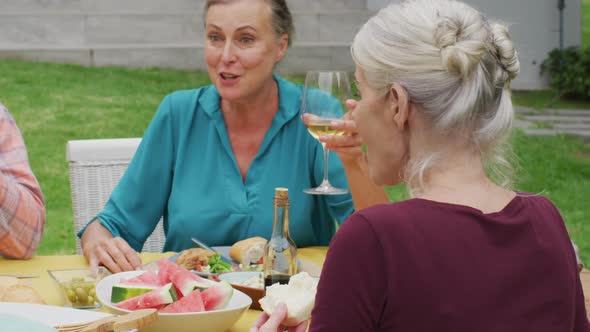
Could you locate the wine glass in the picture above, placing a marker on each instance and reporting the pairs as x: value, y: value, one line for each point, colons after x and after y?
x: 324, y: 95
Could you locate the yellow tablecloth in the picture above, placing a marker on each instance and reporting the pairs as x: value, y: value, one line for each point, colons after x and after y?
x: 51, y: 293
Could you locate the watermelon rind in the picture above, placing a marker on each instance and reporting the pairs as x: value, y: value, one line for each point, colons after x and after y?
x: 168, y: 293
x: 124, y: 292
x: 153, y: 299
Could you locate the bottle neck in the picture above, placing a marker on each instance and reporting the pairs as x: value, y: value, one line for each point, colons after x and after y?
x: 280, y: 226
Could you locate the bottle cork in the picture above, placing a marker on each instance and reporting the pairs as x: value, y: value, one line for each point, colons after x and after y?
x: 282, y: 196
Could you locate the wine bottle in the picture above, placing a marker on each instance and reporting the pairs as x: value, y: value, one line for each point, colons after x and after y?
x: 280, y: 252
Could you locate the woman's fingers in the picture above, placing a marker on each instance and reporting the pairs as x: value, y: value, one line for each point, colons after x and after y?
x: 274, y: 321
x: 115, y: 254
x: 351, y: 152
x: 116, y: 247
x: 336, y: 141
x: 348, y: 126
x: 105, y: 258
x: 93, y: 259
x: 300, y: 328
x: 351, y: 105
x: 129, y: 254
x: 259, y: 322
x: 348, y: 146
x: 308, y: 118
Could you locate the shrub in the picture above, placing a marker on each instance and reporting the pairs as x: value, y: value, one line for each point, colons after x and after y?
x: 570, y: 71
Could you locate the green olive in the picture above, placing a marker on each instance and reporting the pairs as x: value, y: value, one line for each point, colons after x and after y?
x: 81, y: 294
x: 90, y: 300
x: 92, y: 292
x: 71, y: 295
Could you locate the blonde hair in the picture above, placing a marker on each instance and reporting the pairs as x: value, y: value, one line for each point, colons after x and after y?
x: 456, y: 64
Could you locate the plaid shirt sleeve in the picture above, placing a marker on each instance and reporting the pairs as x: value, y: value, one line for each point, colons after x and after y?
x: 22, y: 208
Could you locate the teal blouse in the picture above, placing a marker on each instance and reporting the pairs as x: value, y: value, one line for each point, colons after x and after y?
x: 185, y: 171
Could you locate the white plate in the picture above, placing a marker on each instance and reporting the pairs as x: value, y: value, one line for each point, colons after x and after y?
x: 50, y: 315
x: 223, y: 250
x: 210, y: 321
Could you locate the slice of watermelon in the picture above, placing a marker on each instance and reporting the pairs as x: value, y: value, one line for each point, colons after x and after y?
x: 153, y: 299
x: 122, y: 292
x: 192, y: 302
x: 164, y: 269
x: 184, y: 280
x: 217, y: 296
x: 147, y: 278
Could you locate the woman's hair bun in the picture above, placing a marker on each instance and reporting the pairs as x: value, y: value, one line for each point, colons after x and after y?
x: 461, y: 43
x: 505, y: 52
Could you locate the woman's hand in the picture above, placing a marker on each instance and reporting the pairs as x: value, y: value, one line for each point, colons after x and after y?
x: 273, y: 323
x: 348, y: 146
x: 100, y: 247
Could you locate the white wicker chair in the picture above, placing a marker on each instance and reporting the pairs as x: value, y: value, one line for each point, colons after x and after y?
x: 95, y: 169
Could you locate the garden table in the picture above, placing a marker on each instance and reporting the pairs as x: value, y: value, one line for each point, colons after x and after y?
x: 50, y: 292
x: 52, y: 296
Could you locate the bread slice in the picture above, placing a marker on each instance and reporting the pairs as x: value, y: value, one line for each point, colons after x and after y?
x: 248, y: 251
x: 22, y: 294
x: 6, y: 282
x: 298, y: 295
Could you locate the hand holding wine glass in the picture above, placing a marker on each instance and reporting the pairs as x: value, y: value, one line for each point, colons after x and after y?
x: 347, y: 146
x: 324, y: 95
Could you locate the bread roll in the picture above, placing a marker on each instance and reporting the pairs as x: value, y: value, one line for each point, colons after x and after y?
x: 298, y: 295
x: 6, y: 282
x: 248, y: 251
x: 22, y: 294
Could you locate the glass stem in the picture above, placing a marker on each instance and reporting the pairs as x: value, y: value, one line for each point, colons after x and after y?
x: 325, y: 182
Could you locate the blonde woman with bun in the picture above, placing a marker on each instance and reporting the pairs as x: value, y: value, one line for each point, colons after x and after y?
x: 466, y: 252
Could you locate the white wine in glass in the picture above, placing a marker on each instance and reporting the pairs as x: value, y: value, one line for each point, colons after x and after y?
x: 320, y: 127
x: 324, y: 95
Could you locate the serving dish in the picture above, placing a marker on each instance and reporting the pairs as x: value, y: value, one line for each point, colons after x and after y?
x: 78, y: 285
x: 237, y: 279
x: 216, y: 320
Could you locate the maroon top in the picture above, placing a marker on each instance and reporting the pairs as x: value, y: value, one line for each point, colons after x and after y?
x: 421, y: 265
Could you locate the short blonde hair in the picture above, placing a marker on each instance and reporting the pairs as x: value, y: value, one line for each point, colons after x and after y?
x: 456, y: 64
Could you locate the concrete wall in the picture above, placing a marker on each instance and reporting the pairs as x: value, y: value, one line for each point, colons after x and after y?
x: 169, y: 33
x: 165, y: 33
x: 534, y: 27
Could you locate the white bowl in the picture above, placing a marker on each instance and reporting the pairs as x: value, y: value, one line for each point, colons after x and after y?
x: 237, y: 278
x: 216, y: 320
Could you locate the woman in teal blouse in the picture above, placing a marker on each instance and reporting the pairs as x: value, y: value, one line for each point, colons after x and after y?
x: 211, y: 157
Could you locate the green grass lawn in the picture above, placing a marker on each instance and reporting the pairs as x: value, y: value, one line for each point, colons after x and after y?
x: 54, y: 103
x: 542, y: 99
